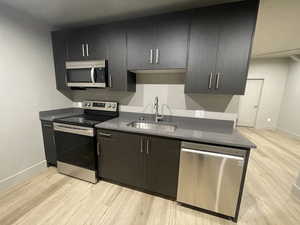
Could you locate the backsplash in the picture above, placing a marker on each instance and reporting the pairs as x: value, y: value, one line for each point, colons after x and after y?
x: 170, y: 90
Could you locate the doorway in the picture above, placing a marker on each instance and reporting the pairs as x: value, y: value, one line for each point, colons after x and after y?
x: 249, y: 103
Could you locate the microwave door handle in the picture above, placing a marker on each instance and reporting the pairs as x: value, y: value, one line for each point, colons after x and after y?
x: 93, y: 75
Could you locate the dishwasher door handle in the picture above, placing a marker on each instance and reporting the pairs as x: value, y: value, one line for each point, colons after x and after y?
x: 213, y: 154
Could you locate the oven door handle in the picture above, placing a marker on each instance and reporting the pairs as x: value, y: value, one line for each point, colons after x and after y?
x: 93, y: 75
x: 85, y: 131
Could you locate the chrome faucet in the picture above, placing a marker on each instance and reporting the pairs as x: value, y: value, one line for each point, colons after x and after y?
x: 157, y: 117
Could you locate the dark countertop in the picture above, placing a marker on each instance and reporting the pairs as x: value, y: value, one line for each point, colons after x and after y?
x: 219, y: 132
x: 59, y: 113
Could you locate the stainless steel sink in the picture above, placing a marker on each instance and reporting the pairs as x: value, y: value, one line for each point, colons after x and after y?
x: 152, y: 126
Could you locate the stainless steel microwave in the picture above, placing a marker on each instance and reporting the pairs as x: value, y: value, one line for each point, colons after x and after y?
x: 85, y: 74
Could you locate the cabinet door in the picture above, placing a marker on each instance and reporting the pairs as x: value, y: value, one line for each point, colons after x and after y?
x: 96, y: 43
x: 76, y: 45
x: 162, y: 165
x: 49, y: 142
x: 59, y: 44
x: 171, y: 39
x: 120, y: 157
x: 235, y: 44
x: 117, y: 52
x: 140, y: 45
x: 203, y: 48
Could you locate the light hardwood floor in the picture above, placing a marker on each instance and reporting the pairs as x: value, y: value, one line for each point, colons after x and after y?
x: 51, y: 198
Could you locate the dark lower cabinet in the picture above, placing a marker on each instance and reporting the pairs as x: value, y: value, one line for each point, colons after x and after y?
x: 119, y: 157
x: 149, y: 163
x: 49, y: 142
x: 163, y: 165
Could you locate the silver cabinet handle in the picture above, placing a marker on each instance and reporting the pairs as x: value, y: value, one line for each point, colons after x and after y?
x: 157, y: 56
x: 104, y: 134
x: 98, y: 149
x: 147, y: 147
x: 218, y: 80
x: 141, y: 144
x: 83, y: 51
x: 210, y: 80
x: 87, y: 49
x: 93, y: 75
x: 110, y: 81
x: 151, y: 56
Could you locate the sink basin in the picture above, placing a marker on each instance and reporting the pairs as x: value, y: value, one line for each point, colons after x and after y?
x: 152, y: 126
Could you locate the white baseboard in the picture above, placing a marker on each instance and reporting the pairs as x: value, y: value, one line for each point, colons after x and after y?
x: 297, y: 136
x: 23, y: 175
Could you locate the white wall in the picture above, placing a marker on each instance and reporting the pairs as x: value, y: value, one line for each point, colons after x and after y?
x: 289, y: 120
x: 27, y: 87
x: 274, y: 73
x: 170, y: 90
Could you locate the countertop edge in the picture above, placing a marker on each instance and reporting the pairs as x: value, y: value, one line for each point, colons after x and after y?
x: 167, y: 135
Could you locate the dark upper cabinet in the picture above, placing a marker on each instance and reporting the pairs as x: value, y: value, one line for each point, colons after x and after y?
x: 150, y: 163
x: 119, y: 78
x: 97, y: 43
x: 203, y: 49
x: 140, y: 44
x: 76, y: 45
x: 220, y: 48
x: 49, y: 142
x: 87, y: 44
x: 158, y: 42
x: 213, y: 44
x: 171, y: 40
x: 234, y: 49
x: 163, y: 165
x: 119, y: 157
x: 59, y: 42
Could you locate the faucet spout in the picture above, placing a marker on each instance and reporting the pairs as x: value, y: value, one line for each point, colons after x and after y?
x: 157, y: 117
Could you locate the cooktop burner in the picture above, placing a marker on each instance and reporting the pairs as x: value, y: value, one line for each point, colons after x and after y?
x: 84, y: 120
x: 95, y: 112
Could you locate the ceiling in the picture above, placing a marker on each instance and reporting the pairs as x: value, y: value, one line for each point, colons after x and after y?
x: 61, y: 13
x: 277, y: 32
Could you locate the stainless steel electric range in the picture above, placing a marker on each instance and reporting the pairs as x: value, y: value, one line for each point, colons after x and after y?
x: 75, y: 139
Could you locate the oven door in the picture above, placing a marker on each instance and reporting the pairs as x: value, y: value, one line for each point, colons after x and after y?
x: 76, y: 151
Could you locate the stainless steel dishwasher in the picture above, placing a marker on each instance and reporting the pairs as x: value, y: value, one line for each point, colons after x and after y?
x: 211, y: 177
